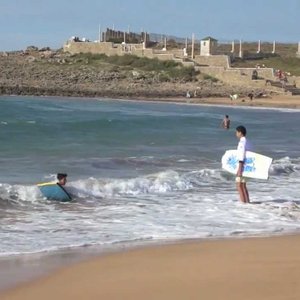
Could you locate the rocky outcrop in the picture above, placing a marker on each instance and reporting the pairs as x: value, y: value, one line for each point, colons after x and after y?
x: 53, y: 73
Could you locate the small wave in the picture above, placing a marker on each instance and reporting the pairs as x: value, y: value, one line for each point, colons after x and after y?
x: 140, y: 162
x: 284, y: 166
x: 283, y: 208
x: 163, y: 182
x: 183, y: 160
x: 18, y: 194
x: 158, y: 183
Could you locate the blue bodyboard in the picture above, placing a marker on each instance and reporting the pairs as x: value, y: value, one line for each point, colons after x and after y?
x: 54, y: 191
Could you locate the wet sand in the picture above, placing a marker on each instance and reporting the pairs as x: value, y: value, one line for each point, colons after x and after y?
x: 253, y: 268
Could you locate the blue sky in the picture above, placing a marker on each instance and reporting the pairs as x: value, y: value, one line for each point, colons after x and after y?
x: 50, y: 23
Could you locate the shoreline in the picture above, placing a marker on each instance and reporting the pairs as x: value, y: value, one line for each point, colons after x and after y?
x: 250, y: 267
x: 278, y: 101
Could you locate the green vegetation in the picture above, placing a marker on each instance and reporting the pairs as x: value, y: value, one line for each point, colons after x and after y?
x: 287, y: 64
x: 142, y: 63
x: 211, y: 78
x: 285, y: 58
x: 167, y: 70
x: 89, y: 57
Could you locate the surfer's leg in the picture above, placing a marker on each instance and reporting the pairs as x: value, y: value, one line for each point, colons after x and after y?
x: 246, y: 193
x: 242, y: 189
x: 241, y: 192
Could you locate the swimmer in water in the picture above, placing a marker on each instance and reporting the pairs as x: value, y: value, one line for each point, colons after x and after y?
x: 226, y: 122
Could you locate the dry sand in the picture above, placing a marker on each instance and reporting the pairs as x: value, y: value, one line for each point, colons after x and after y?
x: 255, y: 268
x: 278, y: 101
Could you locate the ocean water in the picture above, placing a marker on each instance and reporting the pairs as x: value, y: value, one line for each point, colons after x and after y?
x: 139, y: 172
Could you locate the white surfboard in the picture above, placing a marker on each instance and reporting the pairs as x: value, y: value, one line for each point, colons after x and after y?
x: 256, y: 165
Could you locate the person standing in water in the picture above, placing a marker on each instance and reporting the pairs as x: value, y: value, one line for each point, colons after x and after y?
x: 226, y: 122
x: 241, y: 156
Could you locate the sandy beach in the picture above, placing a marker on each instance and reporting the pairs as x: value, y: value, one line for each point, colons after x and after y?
x: 253, y: 268
x: 278, y: 101
x: 275, y: 101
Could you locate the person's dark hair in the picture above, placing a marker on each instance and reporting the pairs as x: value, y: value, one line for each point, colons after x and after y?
x: 227, y: 116
x: 61, y: 176
x: 241, y: 129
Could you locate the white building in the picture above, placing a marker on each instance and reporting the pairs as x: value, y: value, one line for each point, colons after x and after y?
x: 208, y: 46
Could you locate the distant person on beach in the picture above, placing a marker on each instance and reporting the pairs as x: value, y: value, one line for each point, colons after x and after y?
x: 254, y: 75
x: 226, y: 122
x: 62, y: 178
x: 241, y: 149
x: 251, y: 95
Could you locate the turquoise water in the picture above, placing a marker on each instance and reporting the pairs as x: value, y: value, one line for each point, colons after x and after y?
x: 138, y: 171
